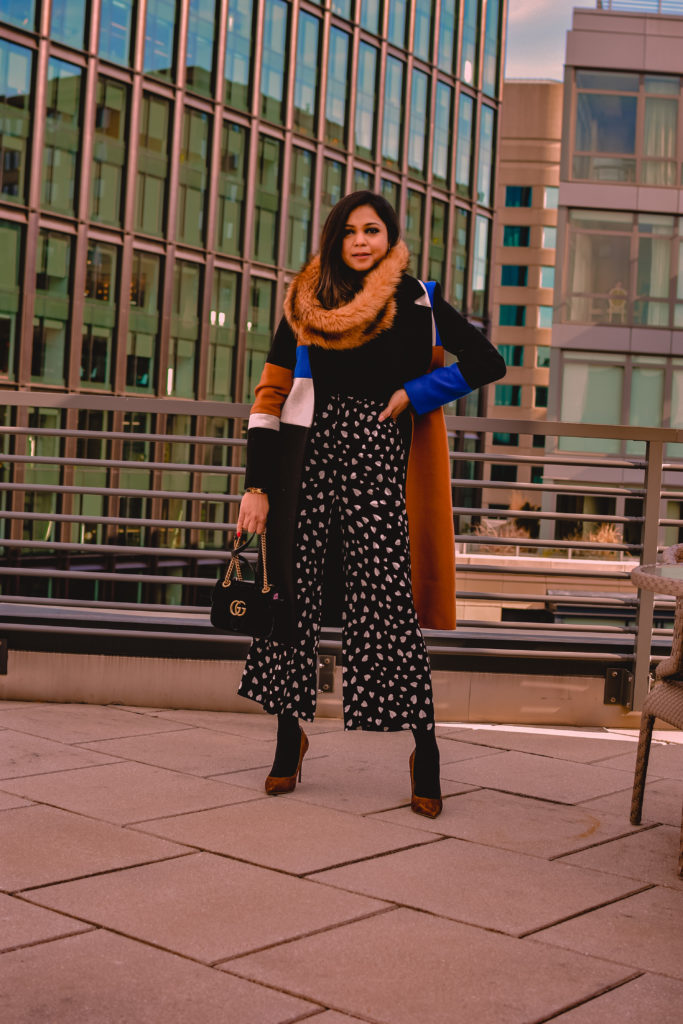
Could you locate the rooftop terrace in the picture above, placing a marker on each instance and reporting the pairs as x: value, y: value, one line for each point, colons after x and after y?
x: 146, y: 877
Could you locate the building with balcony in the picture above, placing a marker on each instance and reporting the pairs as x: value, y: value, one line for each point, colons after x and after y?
x: 617, y: 338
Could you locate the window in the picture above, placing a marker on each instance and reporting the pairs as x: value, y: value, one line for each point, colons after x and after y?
x: 423, y: 29
x: 468, y: 54
x: 549, y: 238
x: 160, y: 22
x: 362, y: 179
x: 275, y: 27
x: 485, y: 155
x: 116, y: 20
x: 547, y: 277
x: 441, y: 156
x: 259, y: 327
x: 267, y: 200
x: 180, y: 373
x: 337, y: 87
x: 10, y: 293
x: 538, y: 441
x: 537, y: 474
x: 306, y: 79
x: 393, y: 110
x: 592, y: 388
x: 545, y: 316
x: 109, y: 152
x: 62, y: 136
x: 143, y: 322
x: 20, y: 13
x: 459, y: 254
x: 231, y: 178
x: 480, y: 265
x: 369, y: 15
x: 540, y: 396
x: 508, y: 394
x: 463, y: 149
x: 342, y: 8
x: 506, y: 473
x: 193, y: 177
x: 446, y: 36
x: 542, y: 355
x: 518, y: 195
x: 512, y: 316
x: 366, y: 98
x: 550, y: 197
x: 201, y: 19
x: 333, y: 186
x: 396, y: 25
x: 16, y: 67
x: 99, y: 315
x: 413, y: 228
x: 512, y: 275
x: 509, y: 440
x: 436, y: 270
x: 222, y: 336
x: 515, y: 234
x: 52, y: 305
x: 152, y: 174
x: 491, y: 48
x: 299, y: 209
x: 238, y: 54
x: 390, y: 190
x: 417, y: 132
x: 512, y: 354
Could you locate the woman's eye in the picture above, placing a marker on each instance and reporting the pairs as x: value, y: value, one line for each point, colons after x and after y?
x: 372, y: 231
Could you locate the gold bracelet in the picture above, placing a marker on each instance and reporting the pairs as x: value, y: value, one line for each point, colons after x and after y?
x: 254, y: 490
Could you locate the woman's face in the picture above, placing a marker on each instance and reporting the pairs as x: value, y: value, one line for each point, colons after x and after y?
x: 365, y: 241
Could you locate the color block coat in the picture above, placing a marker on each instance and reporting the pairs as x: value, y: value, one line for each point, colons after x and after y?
x: 403, y: 347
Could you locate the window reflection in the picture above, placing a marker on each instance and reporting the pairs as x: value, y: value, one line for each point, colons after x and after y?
x: 152, y: 173
x: 437, y: 242
x: 16, y: 66
x: 491, y: 60
x: 267, y: 200
x: 116, y: 21
x: 306, y: 80
x: 143, y: 322
x: 366, y: 97
x: 468, y: 52
x: 417, y: 132
x: 238, y: 53
x: 337, y: 87
x: 413, y: 230
x: 201, y: 19
x: 193, y: 177
x: 393, y: 108
x: 463, y: 151
x: 99, y: 315
x: 62, y: 136
x: 299, y: 208
x: 485, y: 155
x: 446, y: 36
x: 67, y: 21
x: 441, y: 154
x: 459, y: 254
x: 480, y: 263
x: 180, y: 373
x: 422, y: 35
x: 161, y: 19
x: 259, y: 327
x: 231, y: 183
x: 10, y: 241
x: 275, y: 26
x: 333, y: 186
x: 109, y: 151
x: 222, y: 335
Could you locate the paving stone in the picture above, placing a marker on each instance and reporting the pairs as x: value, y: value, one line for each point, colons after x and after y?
x: 22, y: 755
x: 591, y: 746
x: 22, y: 924
x: 547, y: 778
x: 279, y: 833
x: 332, y: 1017
x: 650, y: 856
x: 80, y: 723
x: 517, y: 823
x: 646, y: 998
x: 361, y: 788
x: 208, y: 908
x: 260, y: 726
x: 8, y: 800
x: 39, y: 845
x: 662, y: 803
x: 666, y: 761
x: 128, y: 793
x: 100, y: 978
x: 425, y: 968
x: 192, y: 751
x: 505, y: 891
x: 643, y: 931
x: 358, y: 747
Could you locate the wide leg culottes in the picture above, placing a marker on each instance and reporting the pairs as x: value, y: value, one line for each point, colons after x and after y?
x: 355, y: 469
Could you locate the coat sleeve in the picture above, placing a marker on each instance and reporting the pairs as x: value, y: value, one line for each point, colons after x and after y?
x: 478, y: 361
x: 271, y: 392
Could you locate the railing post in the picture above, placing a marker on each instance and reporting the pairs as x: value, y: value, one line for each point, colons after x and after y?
x: 654, y: 473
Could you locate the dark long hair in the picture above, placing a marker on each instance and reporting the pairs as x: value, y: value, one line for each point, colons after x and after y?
x: 338, y: 283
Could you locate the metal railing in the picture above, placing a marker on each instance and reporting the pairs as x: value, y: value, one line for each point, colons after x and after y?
x: 124, y: 524
x: 641, y: 6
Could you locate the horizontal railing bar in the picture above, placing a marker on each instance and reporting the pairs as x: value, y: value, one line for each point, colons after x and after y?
x: 556, y: 428
x: 126, y: 403
x: 560, y: 627
x: 96, y: 574
x: 548, y: 459
x: 570, y: 571
x: 538, y: 542
x: 512, y: 513
x: 577, y: 598
x: 123, y: 435
x: 555, y: 488
x: 123, y: 492
x: 507, y: 653
x: 59, y: 517
x: 123, y: 606
x: 206, y: 554
x: 184, y: 467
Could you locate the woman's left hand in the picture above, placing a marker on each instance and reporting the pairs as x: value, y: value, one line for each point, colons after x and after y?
x: 397, y: 404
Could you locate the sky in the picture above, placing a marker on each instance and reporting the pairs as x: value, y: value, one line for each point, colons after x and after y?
x: 536, y: 38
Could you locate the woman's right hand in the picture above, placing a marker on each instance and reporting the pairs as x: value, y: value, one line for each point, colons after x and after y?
x: 253, y: 513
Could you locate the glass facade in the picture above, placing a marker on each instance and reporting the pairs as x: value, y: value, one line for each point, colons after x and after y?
x: 151, y: 224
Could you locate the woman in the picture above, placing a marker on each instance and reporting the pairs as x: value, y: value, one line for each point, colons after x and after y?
x: 349, y: 399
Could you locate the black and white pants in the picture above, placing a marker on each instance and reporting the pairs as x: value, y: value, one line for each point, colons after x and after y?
x: 354, y: 466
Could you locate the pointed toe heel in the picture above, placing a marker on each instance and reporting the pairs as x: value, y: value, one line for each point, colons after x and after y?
x: 428, y: 807
x: 276, y: 785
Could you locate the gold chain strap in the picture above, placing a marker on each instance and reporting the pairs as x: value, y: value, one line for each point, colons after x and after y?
x: 235, y: 566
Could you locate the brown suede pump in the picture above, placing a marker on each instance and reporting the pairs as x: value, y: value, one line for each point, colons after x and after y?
x: 430, y: 807
x: 278, y: 784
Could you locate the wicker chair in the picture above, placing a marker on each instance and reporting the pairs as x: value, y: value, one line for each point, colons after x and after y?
x: 665, y: 701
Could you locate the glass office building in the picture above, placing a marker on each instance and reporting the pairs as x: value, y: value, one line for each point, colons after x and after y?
x: 165, y: 166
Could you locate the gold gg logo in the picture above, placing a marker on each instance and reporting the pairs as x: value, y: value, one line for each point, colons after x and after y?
x: 238, y: 608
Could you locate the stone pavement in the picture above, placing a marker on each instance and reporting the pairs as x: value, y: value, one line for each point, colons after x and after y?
x: 145, y: 878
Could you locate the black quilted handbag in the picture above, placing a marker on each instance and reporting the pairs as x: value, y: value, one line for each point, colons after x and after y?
x: 243, y: 605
